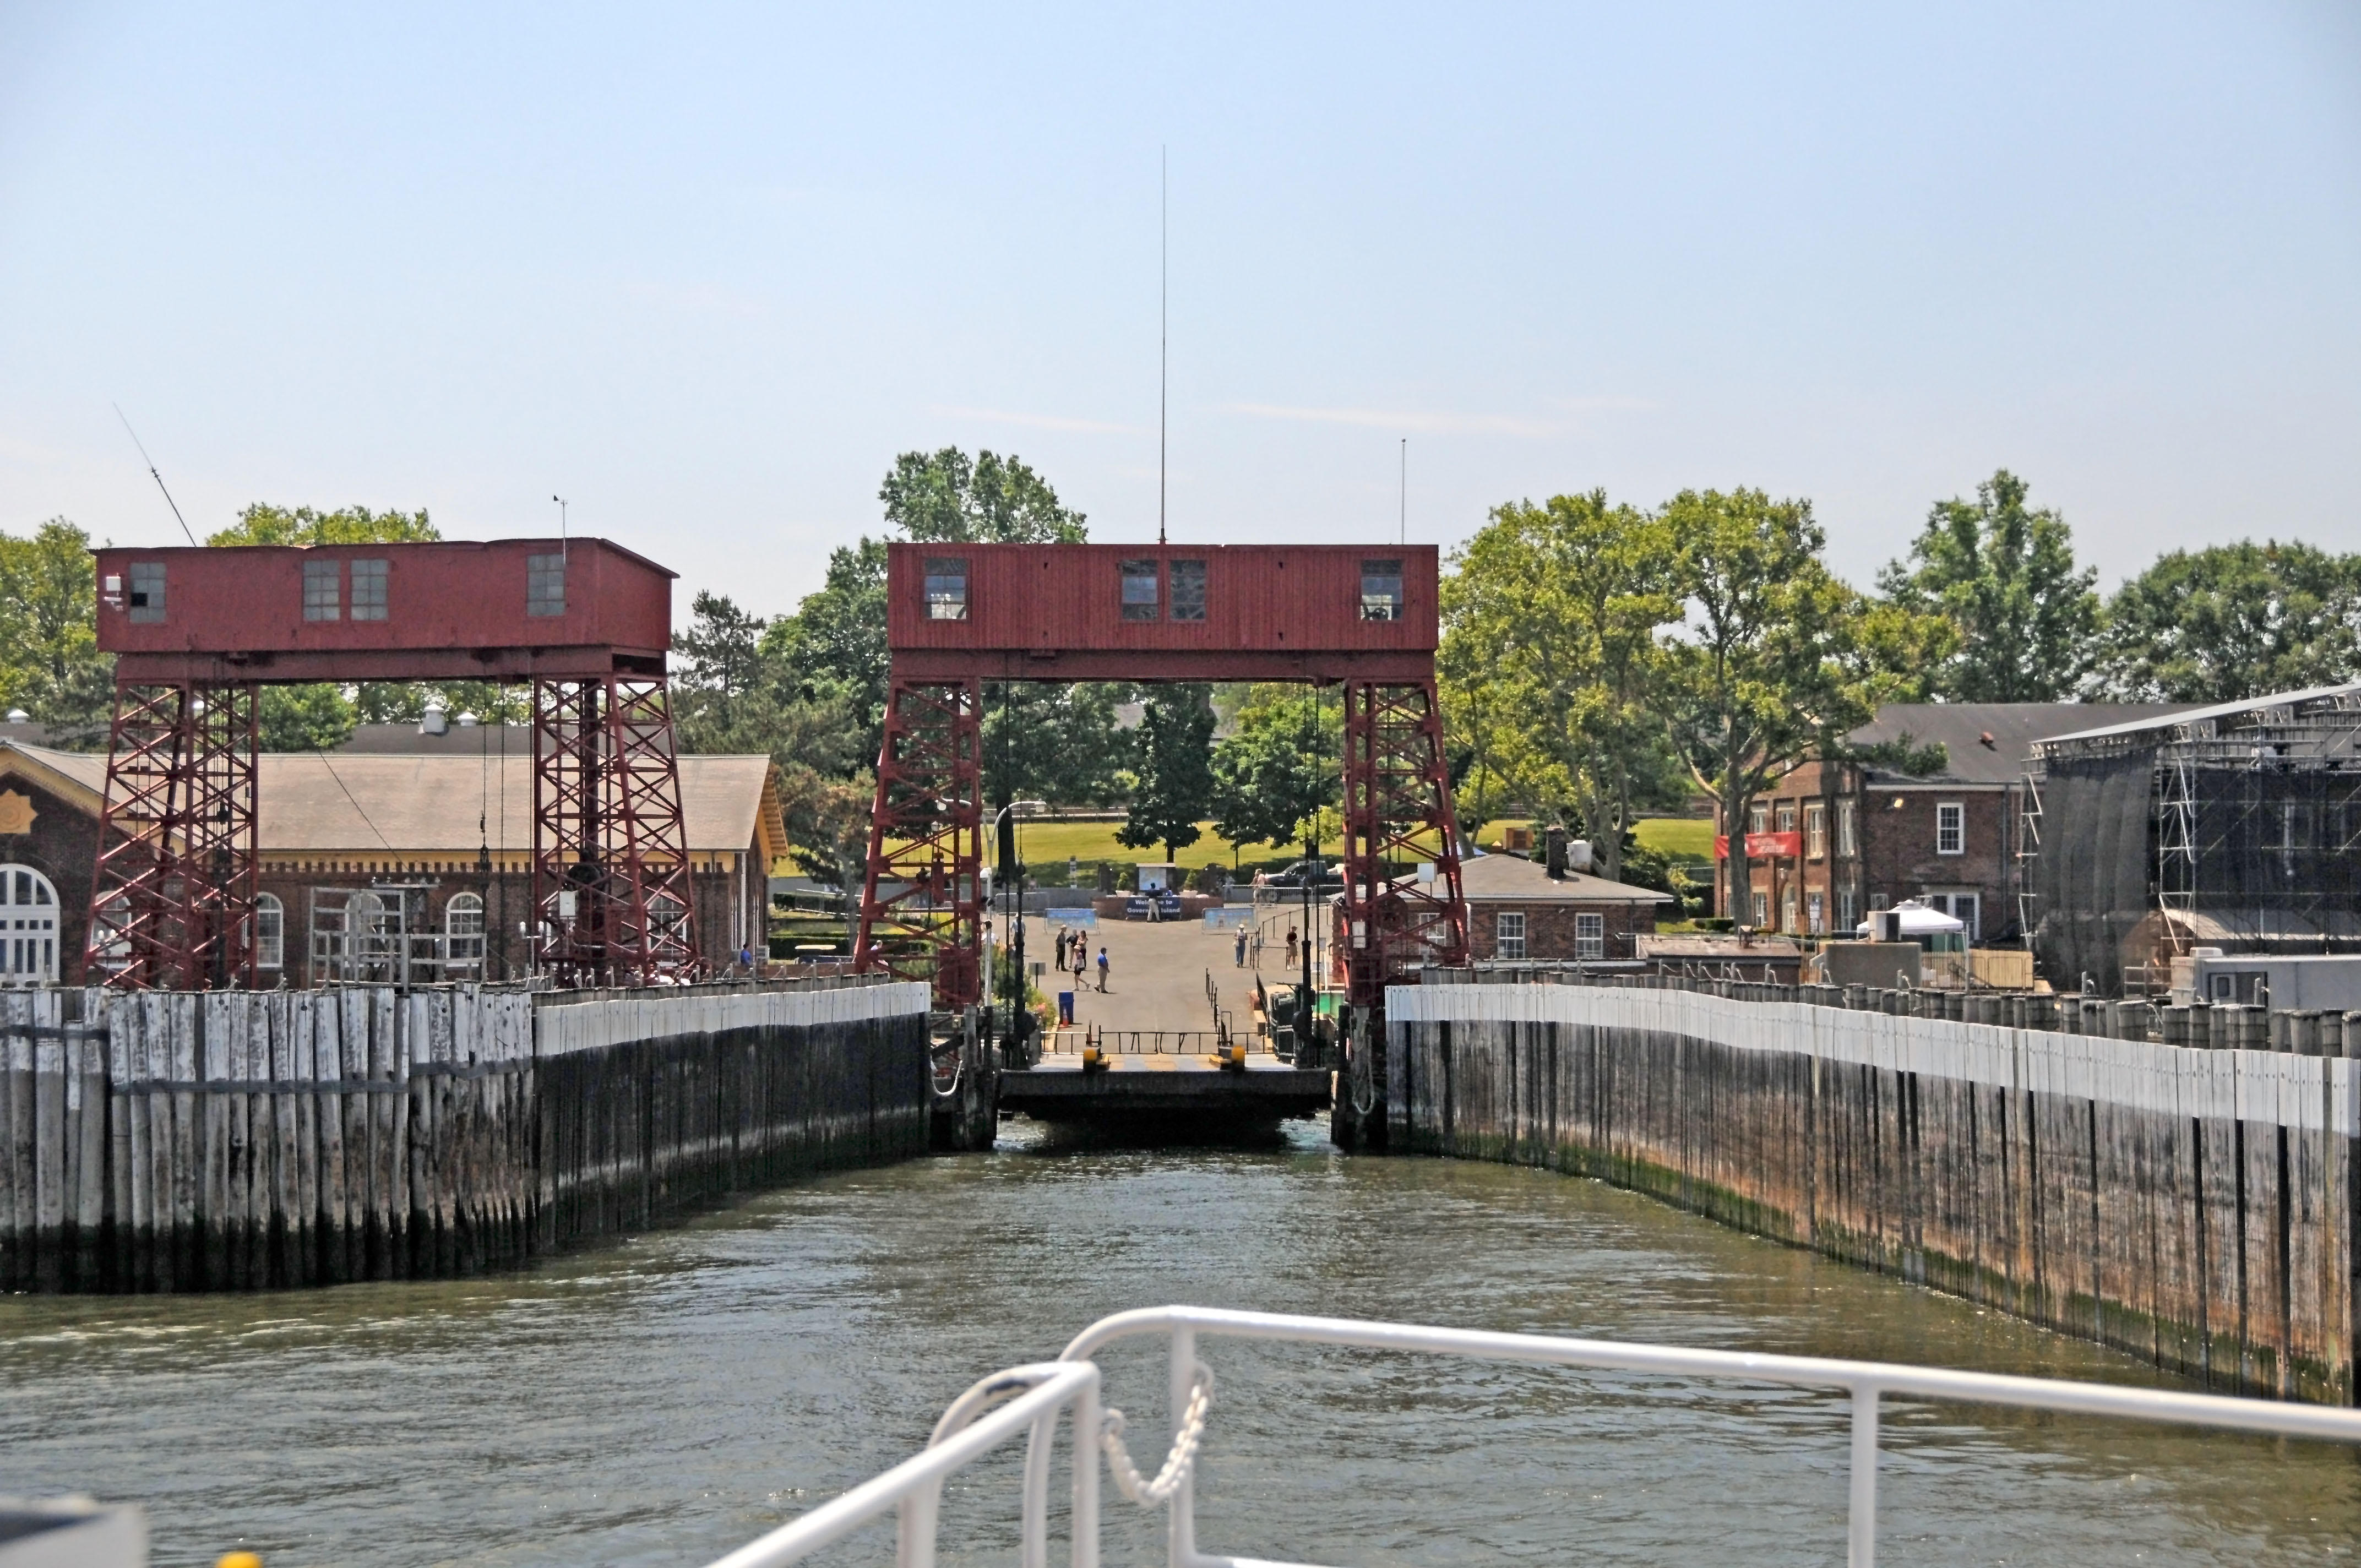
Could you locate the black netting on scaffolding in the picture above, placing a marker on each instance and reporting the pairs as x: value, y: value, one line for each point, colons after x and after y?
x: 2093, y: 876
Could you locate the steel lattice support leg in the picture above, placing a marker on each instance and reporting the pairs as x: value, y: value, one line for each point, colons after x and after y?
x: 611, y: 869
x: 922, y: 908
x: 172, y: 900
x: 1397, y: 818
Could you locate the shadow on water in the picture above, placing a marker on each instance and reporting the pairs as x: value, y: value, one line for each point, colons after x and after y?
x: 1232, y: 1132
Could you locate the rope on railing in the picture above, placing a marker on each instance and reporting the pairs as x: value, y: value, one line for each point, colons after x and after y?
x: 1177, y: 1463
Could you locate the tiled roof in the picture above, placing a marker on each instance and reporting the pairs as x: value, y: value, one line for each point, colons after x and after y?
x: 362, y: 803
x: 1513, y: 879
x: 1961, y: 728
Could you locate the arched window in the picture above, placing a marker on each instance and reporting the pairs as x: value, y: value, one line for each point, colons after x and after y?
x: 269, y: 932
x: 29, y: 927
x: 462, y: 931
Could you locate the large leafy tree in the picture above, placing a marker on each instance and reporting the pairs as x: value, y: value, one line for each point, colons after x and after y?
x: 1173, y: 762
x: 2233, y: 622
x: 1781, y: 659
x: 1053, y: 742
x: 1279, y: 768
x: 2003, y: 573
x: 1553, y: 659
x: 49, y: 661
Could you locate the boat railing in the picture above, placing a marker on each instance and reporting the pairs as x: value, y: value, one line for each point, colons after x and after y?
x: 1036, y: 1395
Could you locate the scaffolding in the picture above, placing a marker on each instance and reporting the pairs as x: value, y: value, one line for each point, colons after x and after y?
x: 2236, y: 827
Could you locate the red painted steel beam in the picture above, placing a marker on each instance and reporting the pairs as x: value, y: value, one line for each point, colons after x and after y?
x: 1327, y: 669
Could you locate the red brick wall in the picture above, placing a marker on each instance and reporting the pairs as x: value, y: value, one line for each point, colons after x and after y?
x: 1550, y: 926
x: 63, y: 847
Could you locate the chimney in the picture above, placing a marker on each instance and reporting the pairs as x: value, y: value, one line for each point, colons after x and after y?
x: 1553, y: 851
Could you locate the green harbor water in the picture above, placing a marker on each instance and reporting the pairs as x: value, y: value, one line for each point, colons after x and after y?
x: 664, y: 1399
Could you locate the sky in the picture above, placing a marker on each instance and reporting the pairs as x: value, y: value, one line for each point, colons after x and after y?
x: 704, y: 270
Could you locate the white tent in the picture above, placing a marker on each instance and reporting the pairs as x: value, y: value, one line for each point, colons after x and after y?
x: 1917, y: 920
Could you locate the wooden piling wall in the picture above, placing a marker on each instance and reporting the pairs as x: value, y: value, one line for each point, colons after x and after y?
x: 2196, y: 1208
x: 250, y: 1140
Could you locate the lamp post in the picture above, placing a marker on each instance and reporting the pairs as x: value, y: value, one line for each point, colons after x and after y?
x: 1011, y: 875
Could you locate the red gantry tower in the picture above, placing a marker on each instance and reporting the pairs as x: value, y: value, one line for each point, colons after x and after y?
x: 198, y: 633
x: 1360, y: 617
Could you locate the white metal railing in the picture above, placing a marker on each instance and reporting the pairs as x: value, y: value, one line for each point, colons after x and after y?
x: 1071, y: 1382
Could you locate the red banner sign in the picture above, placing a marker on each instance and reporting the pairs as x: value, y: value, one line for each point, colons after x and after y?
x: 1761, y: 846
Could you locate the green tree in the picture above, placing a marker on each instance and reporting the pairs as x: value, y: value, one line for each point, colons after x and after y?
x: 1781, y: 659
x: 1056, y: 743
x: 2233, y: 622
x: 1277, y: 771
x: 49, y: 661
x: 1552, y: 653
x: 947, y: 498
x: 262, y: 523
x: 2004, y: 575
x: 1174, y: 764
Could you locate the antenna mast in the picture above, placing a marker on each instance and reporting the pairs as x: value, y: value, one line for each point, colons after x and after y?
x: 1163, y: 319
x: 153, y: 474
x: 1405, y: 489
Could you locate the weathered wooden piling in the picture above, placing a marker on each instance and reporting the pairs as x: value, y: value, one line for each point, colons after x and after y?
x: 2195, y: 1205
x: 254, y: 1140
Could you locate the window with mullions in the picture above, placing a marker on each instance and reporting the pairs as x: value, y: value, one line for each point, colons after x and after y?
x: 946, y: 587
x: 323, y: 590
x: 369, y: 590
x: 146, y: 596
x: 1381, y: 590
x: 1590, y: 936
x: 1509, y: 933
x: 1187, y: 590
x: 1140, y: 590
x: 544, y: 585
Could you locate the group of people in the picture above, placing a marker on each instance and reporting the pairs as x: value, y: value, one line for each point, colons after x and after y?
x: 1074, y: 954
x: 1250, y: 941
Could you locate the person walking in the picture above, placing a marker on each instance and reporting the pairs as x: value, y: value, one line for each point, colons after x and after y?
x: 1060, y: 964
x: 1240, y: 957
x: 1103, y: 969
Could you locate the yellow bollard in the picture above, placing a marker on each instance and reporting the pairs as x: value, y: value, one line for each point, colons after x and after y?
x: 239, y: 1560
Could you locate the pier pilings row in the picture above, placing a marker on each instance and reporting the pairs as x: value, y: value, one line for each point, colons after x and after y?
x: 249, y: 1140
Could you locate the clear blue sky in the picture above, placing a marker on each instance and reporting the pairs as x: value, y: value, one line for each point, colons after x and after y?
x: 705, y: 270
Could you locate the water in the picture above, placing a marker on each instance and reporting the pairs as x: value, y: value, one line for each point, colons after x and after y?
x: 664, y: 1399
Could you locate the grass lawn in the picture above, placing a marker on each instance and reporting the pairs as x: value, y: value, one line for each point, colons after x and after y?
x: 1684, y: 839
x: 1047, y: 844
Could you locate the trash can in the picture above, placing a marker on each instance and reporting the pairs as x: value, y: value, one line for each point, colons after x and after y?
x: 1065, y: 1007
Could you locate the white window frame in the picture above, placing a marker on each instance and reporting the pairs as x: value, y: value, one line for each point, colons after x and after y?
x: 1791, y: 913
x: 1816, y: 914
x: 462, y: 931
x: 28, y: 927
x: 1762, y: 909
x: 1847, y: 910
x: 1951, y: 828
x: 1815, y: 831
x: 369, y: 595
x: 1509, y: 933
x: 269, y: 931
x: 1590, y: 936
x: 1847, y: 828
x: 323, y: 590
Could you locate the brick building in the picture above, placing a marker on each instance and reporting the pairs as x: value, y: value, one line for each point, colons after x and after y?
x: 1831, y: 843
x: 1517, y: 910
x: 447, y: 833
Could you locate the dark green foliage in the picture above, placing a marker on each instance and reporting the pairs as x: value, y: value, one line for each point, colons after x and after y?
x: 1279, y: 768
x: 50, y: 663
x: 1174, y: 764
x: 2005, y: 576
x: 2233, y: 622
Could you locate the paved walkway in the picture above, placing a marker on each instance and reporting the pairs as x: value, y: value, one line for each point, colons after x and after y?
x: 1156, y: 974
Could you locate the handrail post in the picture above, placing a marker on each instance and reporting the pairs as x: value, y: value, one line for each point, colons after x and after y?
x: 1086, y: 1418
x: 1862, y: 1535
x: 1181, y: 1382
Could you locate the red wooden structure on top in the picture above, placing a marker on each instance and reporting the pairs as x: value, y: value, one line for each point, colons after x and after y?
x: 197, y: 632
x: 1363, y: 616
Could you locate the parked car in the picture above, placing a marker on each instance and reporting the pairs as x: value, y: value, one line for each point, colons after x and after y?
x: 1319, y: 873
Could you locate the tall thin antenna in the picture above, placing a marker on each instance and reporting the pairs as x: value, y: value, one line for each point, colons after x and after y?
x: 1163, y: 319
x: 561, y: 529
x: 152, y: 473
x: 1405, y: 489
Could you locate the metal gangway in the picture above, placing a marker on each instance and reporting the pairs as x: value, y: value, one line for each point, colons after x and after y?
x: 1028, y: 1401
